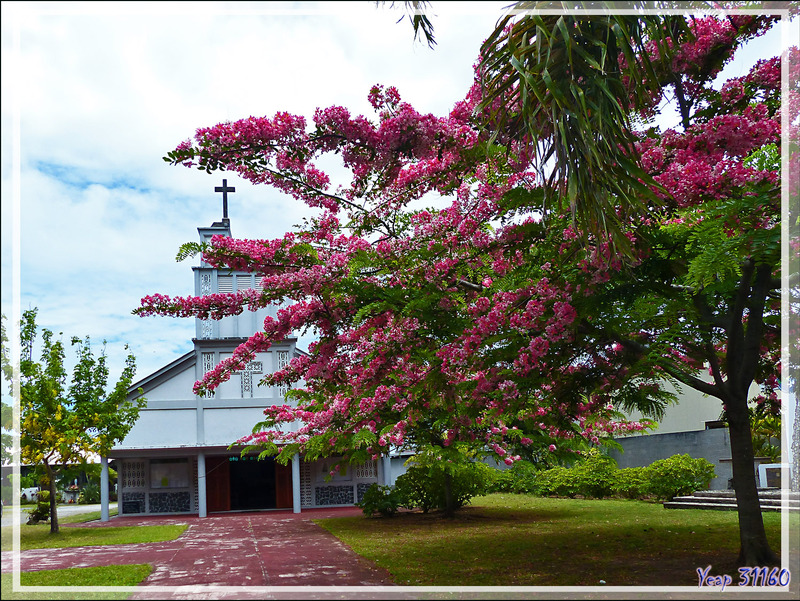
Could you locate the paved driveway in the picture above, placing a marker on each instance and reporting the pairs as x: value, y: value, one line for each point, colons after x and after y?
x: 252, y: 549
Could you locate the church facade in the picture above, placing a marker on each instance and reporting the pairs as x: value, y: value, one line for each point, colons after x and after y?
x: 176, y: 459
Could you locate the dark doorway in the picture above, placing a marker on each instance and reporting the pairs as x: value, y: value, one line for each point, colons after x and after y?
x: 252, y: 483
x: 245, y: 483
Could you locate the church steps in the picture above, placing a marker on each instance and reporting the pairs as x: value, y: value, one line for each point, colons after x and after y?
x: 725, y: 500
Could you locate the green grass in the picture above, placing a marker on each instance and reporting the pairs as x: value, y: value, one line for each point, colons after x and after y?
x: 39, y: 536
x: 119, y: 575
x: 520, y: 540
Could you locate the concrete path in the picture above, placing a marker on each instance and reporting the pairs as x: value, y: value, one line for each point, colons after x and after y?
x: 252, y: 549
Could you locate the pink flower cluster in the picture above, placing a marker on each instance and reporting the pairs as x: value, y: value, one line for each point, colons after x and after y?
x: 468, y: 323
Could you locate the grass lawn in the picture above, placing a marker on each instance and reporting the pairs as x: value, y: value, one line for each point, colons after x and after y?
x: 520, y: 540
x: 123, y: 575
x: 39, y: 536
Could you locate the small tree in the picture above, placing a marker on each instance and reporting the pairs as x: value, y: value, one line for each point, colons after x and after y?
x: 61, y: 422
x: 6, y: 413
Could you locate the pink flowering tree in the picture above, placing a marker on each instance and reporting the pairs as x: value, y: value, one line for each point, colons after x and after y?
x: 476, y: 325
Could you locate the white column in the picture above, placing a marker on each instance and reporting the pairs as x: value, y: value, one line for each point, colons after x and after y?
x: 202, y: 508
x: 104, y: 489
x: 387, y: 470
x: 296, y: 483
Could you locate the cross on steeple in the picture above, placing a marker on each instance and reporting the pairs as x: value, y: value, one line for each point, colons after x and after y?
x: 224, y: 189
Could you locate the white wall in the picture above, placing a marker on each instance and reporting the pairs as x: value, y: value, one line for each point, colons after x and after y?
x: 162, y: 428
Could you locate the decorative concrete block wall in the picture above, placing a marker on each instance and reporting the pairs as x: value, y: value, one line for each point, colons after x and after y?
x: 133, y: 502
x: 361, y: 489
x: 170, y: 502
x: 334, y: 495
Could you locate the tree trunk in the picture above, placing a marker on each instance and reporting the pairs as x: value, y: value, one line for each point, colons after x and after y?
x: 449, y: 501
x: 51, y: 477
x: 754, y: 550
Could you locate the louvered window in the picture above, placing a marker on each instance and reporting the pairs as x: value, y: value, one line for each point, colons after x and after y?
x: 225, y: 284
x: 243, y: 282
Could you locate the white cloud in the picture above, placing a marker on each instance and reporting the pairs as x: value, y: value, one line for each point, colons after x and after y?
x: 105, y: 90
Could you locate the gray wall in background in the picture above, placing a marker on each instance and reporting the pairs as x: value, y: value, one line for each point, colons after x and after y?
x: 713, y: 445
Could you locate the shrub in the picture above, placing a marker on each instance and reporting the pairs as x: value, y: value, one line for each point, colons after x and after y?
x: 42, y: 511
x: 632, y: 482
x: 598, y: 476
x: 417, y: 488
x: 424, y: 486
x: 594, y: 476
x: 678, y: 475
x: 380, y: 499
x: 555, y: 481
x: 90, y: 494
x: 519, y: 478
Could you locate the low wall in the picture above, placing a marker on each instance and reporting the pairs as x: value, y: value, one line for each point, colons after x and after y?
x: 713, y: 445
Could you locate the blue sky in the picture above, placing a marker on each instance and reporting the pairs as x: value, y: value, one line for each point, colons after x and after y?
x: 102, y: 91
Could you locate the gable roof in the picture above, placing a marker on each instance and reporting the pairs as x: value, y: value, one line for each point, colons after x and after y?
x: 165, y: 373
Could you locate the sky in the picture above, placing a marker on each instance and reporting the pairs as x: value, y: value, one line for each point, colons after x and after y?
x: 105, y: 92
x: 95, y: 94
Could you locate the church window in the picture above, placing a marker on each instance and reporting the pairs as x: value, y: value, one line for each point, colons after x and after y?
x: 283, y: 361
x: 208, y: 363
x: 243, y: 282
x: 225, y: 284
x: 254, y: 367
x: 368, y: 469
x: 133, y: 474
x: 169, y: 473
x: 205, y: 284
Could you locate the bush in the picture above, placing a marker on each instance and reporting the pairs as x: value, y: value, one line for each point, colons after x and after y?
x: 591, y: 477
x: 519, y: 478
x: 380, y: 499
x: 678, y: 475
x: 632, y: 482
x: 594, y: 476
x: 597, y: 476
x: 425, y: 486
x: 42, y: 511
x: 90, y: 494
x: 555, y: 481
x: 417, y: 487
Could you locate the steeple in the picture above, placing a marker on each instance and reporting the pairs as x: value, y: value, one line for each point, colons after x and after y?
x: 211, y: 280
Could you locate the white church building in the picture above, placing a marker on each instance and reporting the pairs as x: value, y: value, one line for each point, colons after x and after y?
x: 176, y: 458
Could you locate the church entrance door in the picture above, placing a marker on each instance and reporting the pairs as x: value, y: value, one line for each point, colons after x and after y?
x: 218, y: 486
x: 242, y: 483
x: 283, y: 486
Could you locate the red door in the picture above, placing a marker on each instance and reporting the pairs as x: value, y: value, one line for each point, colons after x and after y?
x: 218, y: 484
x: 283, y: 486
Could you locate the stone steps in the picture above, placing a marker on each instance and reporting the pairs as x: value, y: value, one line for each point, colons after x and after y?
x: 725, y: 500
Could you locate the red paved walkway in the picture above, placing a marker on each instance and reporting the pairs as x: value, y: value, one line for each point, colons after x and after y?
x: 253, y: 549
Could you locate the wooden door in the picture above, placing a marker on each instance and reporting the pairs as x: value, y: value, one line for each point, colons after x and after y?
x: 218, y: 484
x: 283, y: 486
